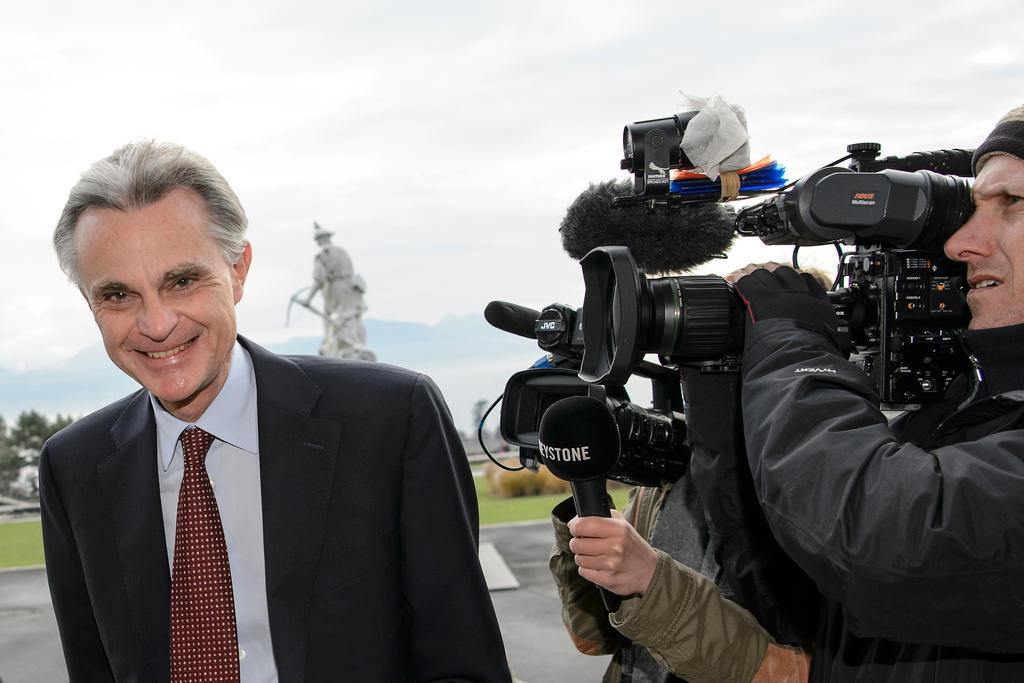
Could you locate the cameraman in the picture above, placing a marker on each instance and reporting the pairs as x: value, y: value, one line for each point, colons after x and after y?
x: 913, y: 532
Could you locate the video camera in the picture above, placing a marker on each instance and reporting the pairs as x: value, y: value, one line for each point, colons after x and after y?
x: 899, y: 301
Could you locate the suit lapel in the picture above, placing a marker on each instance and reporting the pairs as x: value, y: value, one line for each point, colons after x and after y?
x: 131, y: 489
x: 297, y: 461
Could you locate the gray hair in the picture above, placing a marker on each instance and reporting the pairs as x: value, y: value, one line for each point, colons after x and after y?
x: 139, y: 174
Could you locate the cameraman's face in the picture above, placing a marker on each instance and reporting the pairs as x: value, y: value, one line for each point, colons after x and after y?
x: 991, y: 243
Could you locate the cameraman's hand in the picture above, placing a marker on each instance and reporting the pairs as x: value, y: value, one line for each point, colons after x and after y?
x: 611, y: 554
x: 776, y: 291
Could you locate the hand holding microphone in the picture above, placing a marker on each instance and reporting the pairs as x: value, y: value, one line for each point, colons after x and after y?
x: 579, y: 443
x: 612, y: 554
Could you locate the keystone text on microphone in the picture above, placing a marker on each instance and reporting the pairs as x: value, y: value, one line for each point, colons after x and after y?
x: 564, y: 454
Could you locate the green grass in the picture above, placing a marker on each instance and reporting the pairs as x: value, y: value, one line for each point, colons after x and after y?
x: 495, y: 510
x: 21, y: 544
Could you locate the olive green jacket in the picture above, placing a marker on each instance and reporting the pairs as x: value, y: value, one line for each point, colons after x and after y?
x: 682, y: 619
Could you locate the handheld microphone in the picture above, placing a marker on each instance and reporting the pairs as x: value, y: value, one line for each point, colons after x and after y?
x: 579, y: 443
x: 667, y: 241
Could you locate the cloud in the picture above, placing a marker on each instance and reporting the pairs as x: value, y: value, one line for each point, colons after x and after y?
x: 996, y: 55
x: 443, y: 141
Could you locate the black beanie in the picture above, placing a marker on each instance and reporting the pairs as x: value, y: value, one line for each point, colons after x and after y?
x: 1007, y: 138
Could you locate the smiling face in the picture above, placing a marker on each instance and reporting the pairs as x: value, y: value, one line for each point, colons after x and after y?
x: 991, y: 243
x: 163, y: 297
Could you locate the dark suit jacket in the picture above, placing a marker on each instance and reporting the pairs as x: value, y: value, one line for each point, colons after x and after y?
x: 370, y: 531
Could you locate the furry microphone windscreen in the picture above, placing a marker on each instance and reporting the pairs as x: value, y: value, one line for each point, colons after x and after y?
x: 661, y: 240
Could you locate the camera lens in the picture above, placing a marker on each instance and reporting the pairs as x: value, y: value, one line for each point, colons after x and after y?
x: 908, y: 210
x: 692, y: 318
x: 951, y: 205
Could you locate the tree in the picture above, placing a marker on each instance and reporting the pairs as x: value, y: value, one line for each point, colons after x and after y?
x: 33, y: 429
x: 19, y: 451
x: 10, y: 462
x: 478, y: 411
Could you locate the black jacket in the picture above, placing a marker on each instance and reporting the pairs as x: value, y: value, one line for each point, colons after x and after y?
x: 913, y: 533
x: 753, y: 569
x: 369, y: 525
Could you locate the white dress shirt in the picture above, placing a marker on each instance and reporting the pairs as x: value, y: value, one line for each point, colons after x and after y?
x: 233, y: 464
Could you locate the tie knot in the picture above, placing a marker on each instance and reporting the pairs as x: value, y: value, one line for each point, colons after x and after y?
x: 195, y: 443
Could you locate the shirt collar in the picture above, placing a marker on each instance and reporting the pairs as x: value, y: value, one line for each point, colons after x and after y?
x: 231, y: 417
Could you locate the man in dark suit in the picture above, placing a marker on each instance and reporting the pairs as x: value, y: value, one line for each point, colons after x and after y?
x: 347, y: 506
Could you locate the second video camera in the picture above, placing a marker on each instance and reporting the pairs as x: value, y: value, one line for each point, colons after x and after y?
x: 899, y: 301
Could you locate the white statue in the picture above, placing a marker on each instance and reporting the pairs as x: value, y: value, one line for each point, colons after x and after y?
x: 342, y: 290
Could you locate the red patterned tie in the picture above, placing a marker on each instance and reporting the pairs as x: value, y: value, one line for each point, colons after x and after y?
x: 204, y: 642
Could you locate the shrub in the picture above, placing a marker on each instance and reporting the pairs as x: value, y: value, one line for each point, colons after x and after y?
x: 512, y: 484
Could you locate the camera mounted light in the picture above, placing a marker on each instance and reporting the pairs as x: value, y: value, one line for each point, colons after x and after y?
x: 653, y: 147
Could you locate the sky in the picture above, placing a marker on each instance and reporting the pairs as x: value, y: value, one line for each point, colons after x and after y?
x: 442, y: 142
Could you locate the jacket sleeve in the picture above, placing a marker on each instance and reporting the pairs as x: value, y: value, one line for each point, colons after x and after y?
x: 453, y: 629
x: 583, y: 613
x: 84, y: 655
x: 916, y: 545
x: 690, y: 629
x: 682, y: 618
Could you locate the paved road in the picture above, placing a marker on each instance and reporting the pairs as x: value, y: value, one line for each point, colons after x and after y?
x: 537, y: 646
x: 29, y: 647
